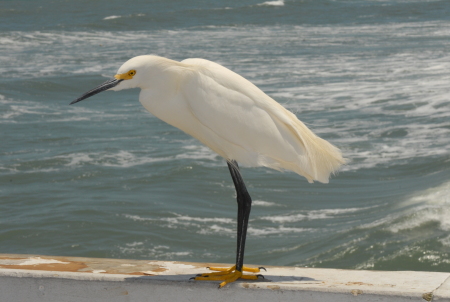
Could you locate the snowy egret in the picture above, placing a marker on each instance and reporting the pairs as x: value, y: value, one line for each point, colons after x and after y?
x: 235, y: 119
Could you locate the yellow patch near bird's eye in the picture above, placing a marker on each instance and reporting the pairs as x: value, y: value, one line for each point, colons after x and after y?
x: 126, y: 76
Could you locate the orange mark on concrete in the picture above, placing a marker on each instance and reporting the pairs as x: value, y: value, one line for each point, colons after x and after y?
x: 57, y: 267
x: 358, y: 283
x: 66, y: 266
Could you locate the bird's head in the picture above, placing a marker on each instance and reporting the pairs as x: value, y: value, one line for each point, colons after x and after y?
x: 132, y: 74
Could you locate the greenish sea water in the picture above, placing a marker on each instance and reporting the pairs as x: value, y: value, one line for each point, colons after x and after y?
x: 104, y: 178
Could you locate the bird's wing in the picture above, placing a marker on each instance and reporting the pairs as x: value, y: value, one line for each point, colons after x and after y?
x: 241, y: 122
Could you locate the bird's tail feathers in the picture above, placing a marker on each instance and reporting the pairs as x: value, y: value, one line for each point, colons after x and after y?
x: 321, y: 158
x: 317, y: 158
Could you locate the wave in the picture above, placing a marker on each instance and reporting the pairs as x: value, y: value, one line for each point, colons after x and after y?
x: 123, y: 159
x: 445, y: 241
x: 280, y: 230
x: 201, y: 225
x: 312, y: 215
x: 415, y: 229
x: 198, y: 152
x: 112, y: 17
x: 32, y: 111
x: 124, y: 16
x: 421, y: 217
x: 272, y: 3
x: 153, y: 251
x: 118, y: 159
x: 217, y: 226
x: 374, y: 107
x: 429, y: 208
x: 261, y: 203
x: 180, y: 219
x: 432, y: 207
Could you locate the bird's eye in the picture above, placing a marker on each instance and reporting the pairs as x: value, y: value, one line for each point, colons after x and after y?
x: 131, y: 72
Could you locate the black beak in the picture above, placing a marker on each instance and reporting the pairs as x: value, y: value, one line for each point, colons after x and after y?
x: 105, y: 86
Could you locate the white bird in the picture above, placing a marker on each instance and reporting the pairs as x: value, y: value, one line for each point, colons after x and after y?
x: 235, y: 119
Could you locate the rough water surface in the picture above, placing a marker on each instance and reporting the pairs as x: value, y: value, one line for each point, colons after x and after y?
x: 104, y: 178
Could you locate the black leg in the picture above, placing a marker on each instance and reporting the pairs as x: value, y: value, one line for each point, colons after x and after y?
x: 244, y: 205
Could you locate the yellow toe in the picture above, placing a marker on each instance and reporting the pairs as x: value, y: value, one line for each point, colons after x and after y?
x: 231, y: 278
x: 223, y: 269
x: 228, y: 275
x: 251, y: 269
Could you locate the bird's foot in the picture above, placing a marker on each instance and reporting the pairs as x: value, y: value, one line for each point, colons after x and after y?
x: 228, y: 275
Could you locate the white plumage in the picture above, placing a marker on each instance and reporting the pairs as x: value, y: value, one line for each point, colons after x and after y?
x: 230, y: 115
x: 235, y: 119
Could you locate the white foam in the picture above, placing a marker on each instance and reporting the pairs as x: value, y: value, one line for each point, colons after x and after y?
x: 135, y: 243
x: 158, y: 251
x: 311, y: 215
x: 216, y: 229
x: 285, y: 249
x: 200, y: 219
x: 112, y: 17
x: 445, y: 241
x: 69, y: 119
x: 438, y: 196
x: 76, y: 158
x: 22, y: 108
x: 226, y: 226
x: 123, y: 159
x: 422, y: 216
x: 132, y: 250
x: 183, y: 220
x: 276, y: 230
x: 12, y: 169
x: 44, y: 170
x: 208, y: 226
x: 198, y: 152
x: 127, y: 159
x: 262, y: 203
x: 285, y: 218
x: 273, y: 3
x: 20, y: 111
x: 262, y: 231
x: 164, y: 247
x: 405, y: 89
x: 431, y: 205
x: 137, y: 217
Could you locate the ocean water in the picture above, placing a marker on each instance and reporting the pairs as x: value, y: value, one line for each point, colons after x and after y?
x: 104, y: 178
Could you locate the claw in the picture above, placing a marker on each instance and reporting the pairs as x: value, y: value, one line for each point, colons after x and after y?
x: 260, y: 276
x: 192, y: 278
x: 261, y: 267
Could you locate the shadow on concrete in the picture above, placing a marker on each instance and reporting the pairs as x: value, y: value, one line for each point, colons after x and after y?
x: 186, y: 278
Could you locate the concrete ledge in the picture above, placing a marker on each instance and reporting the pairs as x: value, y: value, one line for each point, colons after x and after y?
x: 46, y: 278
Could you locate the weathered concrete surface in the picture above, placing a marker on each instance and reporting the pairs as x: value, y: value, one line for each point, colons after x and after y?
x: 61, y: 279
x: 443, y: 292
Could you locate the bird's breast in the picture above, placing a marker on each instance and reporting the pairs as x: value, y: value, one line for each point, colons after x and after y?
x: 170, y: 108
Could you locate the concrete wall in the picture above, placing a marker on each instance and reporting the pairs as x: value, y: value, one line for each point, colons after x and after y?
x: 44, y: 278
